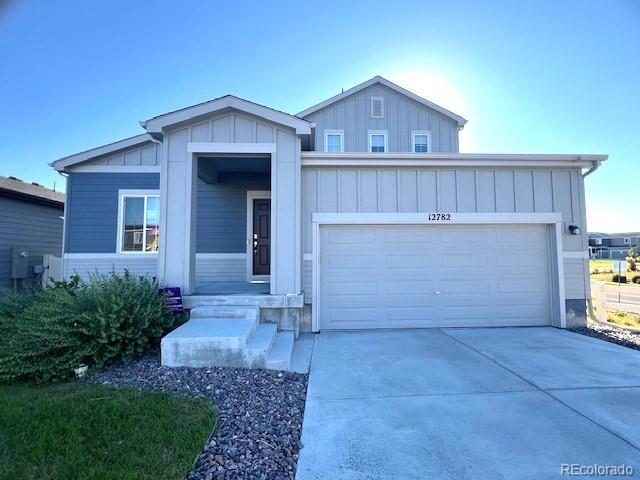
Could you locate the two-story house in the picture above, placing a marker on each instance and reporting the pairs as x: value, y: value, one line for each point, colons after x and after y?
x: 614, y: 246
x: 356, y: 213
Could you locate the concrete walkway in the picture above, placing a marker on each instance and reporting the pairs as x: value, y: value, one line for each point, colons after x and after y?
x: 507, y: 403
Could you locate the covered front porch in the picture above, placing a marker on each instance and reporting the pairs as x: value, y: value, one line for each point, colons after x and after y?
x: 230, y: 192
x: 233, y: 225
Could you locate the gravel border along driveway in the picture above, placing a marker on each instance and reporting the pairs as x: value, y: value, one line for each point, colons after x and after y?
x: 622, y: 336
x: 260, y: 415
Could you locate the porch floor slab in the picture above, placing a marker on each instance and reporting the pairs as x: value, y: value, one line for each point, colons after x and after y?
x: 233, y: 288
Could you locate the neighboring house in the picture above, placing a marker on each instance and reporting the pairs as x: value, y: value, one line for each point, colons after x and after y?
x: 614, y: 246
x: 359, y: 212
x: 31, y: 221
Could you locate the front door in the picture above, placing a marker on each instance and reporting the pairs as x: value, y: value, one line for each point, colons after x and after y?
x: 261, y: 236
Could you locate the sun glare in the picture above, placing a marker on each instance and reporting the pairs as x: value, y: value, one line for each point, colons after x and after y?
x: 433, y: 88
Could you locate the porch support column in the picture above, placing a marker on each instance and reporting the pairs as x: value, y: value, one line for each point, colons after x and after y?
x: 286, y: 256
x: 177, y: 220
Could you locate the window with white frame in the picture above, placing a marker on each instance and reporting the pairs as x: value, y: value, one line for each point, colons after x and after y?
x: 377, y: 107
x: 627, y: 240
x: 421, y: 141
x: 378, y: 142
x: 334, y: 141
x: 139, y: 221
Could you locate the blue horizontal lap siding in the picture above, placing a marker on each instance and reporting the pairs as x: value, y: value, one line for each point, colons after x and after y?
x: 222, y: 212
x: 32, y: 226
x: 92, y: 208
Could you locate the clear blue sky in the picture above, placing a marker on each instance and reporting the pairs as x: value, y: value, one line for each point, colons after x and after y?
x: 535, y: 77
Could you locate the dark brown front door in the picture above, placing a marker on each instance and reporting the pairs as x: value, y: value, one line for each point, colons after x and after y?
x: 261, y: 236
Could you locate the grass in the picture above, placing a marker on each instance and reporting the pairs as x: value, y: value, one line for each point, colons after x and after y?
x: 623, y: 319
x: 606, y: 277
x: 72, y: 431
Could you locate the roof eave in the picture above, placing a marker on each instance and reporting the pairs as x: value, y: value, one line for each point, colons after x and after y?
x: 62, y: 163
x: 158, y: 124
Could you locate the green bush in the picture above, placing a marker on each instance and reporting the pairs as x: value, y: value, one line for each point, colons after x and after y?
x: 111, y: 318
x: 618, y: 278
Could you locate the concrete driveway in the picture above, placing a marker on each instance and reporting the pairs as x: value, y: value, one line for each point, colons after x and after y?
x: 501, y: 403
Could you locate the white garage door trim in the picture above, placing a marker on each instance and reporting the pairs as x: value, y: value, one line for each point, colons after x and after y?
x: 552, y: 219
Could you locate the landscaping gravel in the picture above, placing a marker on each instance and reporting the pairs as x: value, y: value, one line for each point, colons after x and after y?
x: 622, y: 336
x: 260, y: 415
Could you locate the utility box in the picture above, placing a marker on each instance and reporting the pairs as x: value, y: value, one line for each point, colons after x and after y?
x: 19, y: 262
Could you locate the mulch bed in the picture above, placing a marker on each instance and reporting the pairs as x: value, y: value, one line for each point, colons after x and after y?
x: 621, y: 336
x: 260, y: 415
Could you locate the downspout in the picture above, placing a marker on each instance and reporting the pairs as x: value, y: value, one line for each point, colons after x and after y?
x: 596, y: 165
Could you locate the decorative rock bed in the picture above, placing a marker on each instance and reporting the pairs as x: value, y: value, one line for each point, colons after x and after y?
x: 621, y: 336
x: 260, y: 415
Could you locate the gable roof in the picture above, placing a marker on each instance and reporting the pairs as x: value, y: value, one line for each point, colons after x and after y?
x: 92, y: 153
x: 383, y: 81
x: 14, y: 187
x: 156, y: 124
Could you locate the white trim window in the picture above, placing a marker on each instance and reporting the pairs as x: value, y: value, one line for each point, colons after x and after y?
x: 627, y: 240
x: 377, y: 107
x: 421, y: 141
x: 334, y: 141
x: 377, y: 141
x: 138, y: 221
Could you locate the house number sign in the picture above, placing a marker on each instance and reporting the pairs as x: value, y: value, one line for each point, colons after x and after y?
x: 440, y: 217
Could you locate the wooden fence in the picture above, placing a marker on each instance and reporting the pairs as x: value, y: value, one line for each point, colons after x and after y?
x: 607, y: 297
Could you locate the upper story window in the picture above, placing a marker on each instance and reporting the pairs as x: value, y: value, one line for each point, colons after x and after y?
x: 627, y: 240
x: 377, y: 107
x: 597, y: 241
x: 334, y: 141
x: 377, y: 141
x: 421, y: 141
x: 139, y: 221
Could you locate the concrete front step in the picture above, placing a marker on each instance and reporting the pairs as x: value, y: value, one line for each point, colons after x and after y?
x: 257, y: 349
x: 228, y: 336
x: 281, y: 352
x: 206, y: 342
x: 226, y: 311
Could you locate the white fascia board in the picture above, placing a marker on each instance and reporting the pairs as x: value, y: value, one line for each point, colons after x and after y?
x: 383, y: 81
x: 64, y: 162
x: 219, y: 147
x: 157, y: 124
x: 319, y: 159
x: 423, y: 218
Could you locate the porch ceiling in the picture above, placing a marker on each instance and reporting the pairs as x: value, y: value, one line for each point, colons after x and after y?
x: 210, y: 167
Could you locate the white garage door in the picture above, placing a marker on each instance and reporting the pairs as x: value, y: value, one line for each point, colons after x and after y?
x: 400, y: 276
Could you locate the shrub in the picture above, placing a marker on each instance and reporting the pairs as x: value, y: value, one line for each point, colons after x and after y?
x: 636, y: 279
x: 111, y: 318
x: 618, y: 278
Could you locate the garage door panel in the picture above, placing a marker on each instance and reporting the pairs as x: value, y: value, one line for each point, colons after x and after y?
x: 468, y: 236
x: 397, y: 276
x: 407, y: 236
x: 463, y: 287
x: 349, y: 237
x: 467, y: 260
x: 406, y: 287
x: 352, y: 261
x: 410, y: 260
x: 352, y: 288
x: 517, y: 285
x: 470, y: 312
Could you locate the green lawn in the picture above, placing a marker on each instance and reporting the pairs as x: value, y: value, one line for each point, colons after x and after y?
x: 606, y: 277
x: 80, y: 431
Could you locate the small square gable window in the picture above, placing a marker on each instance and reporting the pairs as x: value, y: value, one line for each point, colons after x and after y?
x: 377, y: 107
